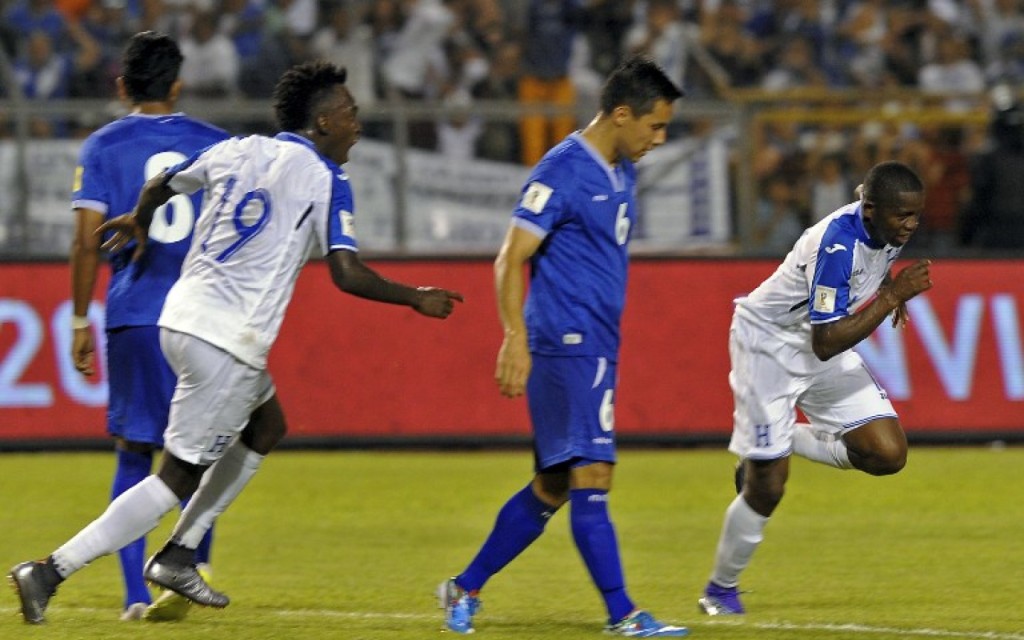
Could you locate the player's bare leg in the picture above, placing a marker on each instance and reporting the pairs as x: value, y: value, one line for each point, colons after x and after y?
x: 764, y: 483
x: 878, y: 447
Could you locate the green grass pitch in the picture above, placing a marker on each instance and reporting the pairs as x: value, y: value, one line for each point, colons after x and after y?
x: 352, y: 545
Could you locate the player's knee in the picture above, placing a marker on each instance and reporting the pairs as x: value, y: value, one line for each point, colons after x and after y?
x: 763, y: 497
x: 889, y: 459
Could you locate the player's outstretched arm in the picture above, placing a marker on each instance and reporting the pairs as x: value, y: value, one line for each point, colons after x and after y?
x: 351, y: 275
x: 833, y: 338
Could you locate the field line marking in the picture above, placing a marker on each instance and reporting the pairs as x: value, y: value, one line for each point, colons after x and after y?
x: 767, y: 626
x: 868, y: 629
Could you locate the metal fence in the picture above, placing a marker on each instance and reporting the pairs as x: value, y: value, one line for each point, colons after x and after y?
x: 711, y: 191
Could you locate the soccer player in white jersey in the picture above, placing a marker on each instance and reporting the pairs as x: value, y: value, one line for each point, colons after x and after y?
x: 115, y: 162
x: 791, y: 345
x: 561, y: 344
x: 269, y: 203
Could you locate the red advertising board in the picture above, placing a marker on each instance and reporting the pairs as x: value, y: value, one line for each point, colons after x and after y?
x: 345, y: 367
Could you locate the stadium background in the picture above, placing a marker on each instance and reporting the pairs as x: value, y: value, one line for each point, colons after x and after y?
x: 773, y: 133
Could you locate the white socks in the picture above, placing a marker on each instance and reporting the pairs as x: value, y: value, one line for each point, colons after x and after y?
x: 132, y: 515
x: 820, y: 446
x: 741, y: 534
x: 220, y: 486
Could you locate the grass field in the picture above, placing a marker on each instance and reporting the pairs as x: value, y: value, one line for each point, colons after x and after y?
x: 352, y: 544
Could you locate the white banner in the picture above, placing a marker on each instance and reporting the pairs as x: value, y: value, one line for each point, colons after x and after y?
x: 451, y: 205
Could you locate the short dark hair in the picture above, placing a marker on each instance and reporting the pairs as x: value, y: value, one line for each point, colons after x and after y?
x: 637, y: 83
x: 151, y: 62
x: 300, y: 90
x: 887, y: 180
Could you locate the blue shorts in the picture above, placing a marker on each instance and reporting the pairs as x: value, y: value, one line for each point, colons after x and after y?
x: 571, y: 401
x: 141, y: 385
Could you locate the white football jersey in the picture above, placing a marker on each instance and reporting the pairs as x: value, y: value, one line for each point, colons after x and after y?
x: 833, y: 270
x: 269, y: 202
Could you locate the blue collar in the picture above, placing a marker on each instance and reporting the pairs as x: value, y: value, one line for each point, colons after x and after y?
x: 294, y: 137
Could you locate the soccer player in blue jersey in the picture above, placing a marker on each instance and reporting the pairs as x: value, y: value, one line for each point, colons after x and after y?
x: 115, y: 162
x: 561, y: 345
x: 791, y: 345
x: 270, y: 203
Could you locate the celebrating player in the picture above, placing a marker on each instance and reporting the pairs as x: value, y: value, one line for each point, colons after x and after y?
x: 791, y: 345
x: 270, y: 201
x: 561, y: 348
x: 115, y: 162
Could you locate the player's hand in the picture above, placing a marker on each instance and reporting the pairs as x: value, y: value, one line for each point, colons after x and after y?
x: 514, y: 363
x: 125, y: 229
x: 83, y: 350
x: 436, y: 303
x: 909, y: 282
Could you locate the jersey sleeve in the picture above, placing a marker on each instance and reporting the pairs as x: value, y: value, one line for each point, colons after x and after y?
x: 340, y: 230
x: 543, y: 203
x: 191, y: 175
x: 188, y: 176
x: 91, y: 189
x: 830, y: 284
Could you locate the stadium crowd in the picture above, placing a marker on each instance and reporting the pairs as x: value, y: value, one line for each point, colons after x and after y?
x: 458, y: 52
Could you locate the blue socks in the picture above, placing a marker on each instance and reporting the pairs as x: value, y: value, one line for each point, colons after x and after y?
x: 132, y: 468
x: 519, y: 523
x: 594, y: 534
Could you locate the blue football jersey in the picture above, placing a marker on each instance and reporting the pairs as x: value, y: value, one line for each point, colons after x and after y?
x: 585, y: 210
x: 114, y: 163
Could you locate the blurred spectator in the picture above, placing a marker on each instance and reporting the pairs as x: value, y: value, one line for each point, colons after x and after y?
x: 829, y: 187
x: 347, y: 42
x: 458, y: 130
x: 278, y: 52
x: 797, y: 67
x: 499, y: 139
x: 910, y: 38
x: 72, y: 10
x: 952, y: 71
x: 25, y: 17
x: 946, y: 174
x: 484, y: 21
x: 995, y: 219
x: 243, y: 22
x: 606, y: 23
x: 106, y: 21
x: 1007, y: 67
x: 417, y: 64
x: 551, y: 28
x: 416, y: 68
x: 734, y: 50
x: 296, y: 17
x: 44, y: 74
x: 779, y: 219
x: 385, y: 20
x: 1000, y: 22
x: 210, y: 68
x: 662, y: 37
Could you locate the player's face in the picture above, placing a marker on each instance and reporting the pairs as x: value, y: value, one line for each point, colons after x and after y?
x: 340, y: 125
x: 894, y: 224
x: 641, y: 134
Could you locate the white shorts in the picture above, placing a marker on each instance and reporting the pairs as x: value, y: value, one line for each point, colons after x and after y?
x: 771, y: 377
x: 213, y: 399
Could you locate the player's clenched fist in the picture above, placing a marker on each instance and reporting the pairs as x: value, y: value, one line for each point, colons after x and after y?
x: 912, y: 280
